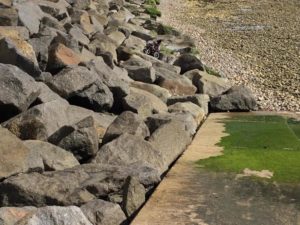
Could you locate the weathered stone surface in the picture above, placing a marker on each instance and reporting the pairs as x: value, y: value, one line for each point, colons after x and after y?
x: 140, y: 69
x: 5, y: 3
x: 61, y: 56
x: 101, y: 212
x: 162, y: 93
x: 55, y: 215
x: 117, y: 36
x: 120, y: 17
x: 188, y: 62
x: 78, y: 35
x: 127, y: 122
x: 208, y: 84
x: 8, y: 17
x: 170, y: 140
x: 135, y: 43
x: 14, y: 32
x: 20, y: 53
x: 53, y: 157
x: 57, y: 8
x: 128, y: 149
x: 81, y: 4
x: 188, y: 107
x: 143, y: 103
x: 18, y: 91
x: 73, y: 186
x: 11, y: 215
x: 134, y: 196
x: 81, y: 139
x: 157, y: 120
x: 46, y: 95
x: 178, y: 86
x: 14, y: 156
x: 236, y: 99
x: 82, y: 87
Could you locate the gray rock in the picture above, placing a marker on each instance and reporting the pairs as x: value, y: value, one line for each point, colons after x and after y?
x: 101, y: 212
x: 57, y: 9
x: 15, y: 157
x: 178, y: 86
x: 51, y: 22
x: 19, y: 53
x: 11, y: 215
x: 170, y: 140
x: 127, y: 122
x: 157, y: 120
x: 236, y: 99
x: 55, y: 215
x: 128, y: 149
x: 208, y: 84
x: 78, y: 35
x: 74, y: 186
x: 15, y: 32
x: 47, y: 95
x: 117, y: 36
x: 188, y: 62
x: 140, y: 69
x: 134, y: 196
x: 53, y: 157
x: 81, y: 4
x: 199, y: 99
x: 162, y: 93
x: 8, y: 17
x: 82, y: 87
x: 18, y: 91
x: 143, y: 103
x: 135, y: 43
x: 81, y: 139
x: 188, y: 107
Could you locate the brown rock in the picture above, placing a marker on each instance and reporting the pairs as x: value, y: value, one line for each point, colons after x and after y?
x: 178, y: 86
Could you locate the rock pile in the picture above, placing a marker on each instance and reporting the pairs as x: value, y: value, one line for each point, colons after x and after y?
x: 89, y: 123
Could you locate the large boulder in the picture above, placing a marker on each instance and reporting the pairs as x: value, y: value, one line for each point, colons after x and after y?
x: 128, y: 149
x: 14, y: 32
x: 53, y: 157
x: 236, y: 99
x: 170, y: 140
x: 127, y: 122
x: 162, y: 93
x: 199, y: 99
x: 11, y: 215
x: 19, y: 52
x: 188, y: 62
x: 47, y: 95
x: 134, y: 196
x: 75, y: 186
x: 101, y: 212
x: 81, y: 139
x: 188, y: 107
x: 208, y: 84
x: 18, y: 91
x: 8, y: 17
x: 82, y: 87
x: 55, y: 215
x: 140, y: 69
x: 143, y: 103
x: 178, y: 86
x: 15, y: 157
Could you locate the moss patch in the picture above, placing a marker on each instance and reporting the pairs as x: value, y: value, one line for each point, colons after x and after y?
x: 260, y: 143
x: 153, y: 11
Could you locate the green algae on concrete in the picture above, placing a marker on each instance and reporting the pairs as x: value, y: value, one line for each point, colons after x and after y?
x: 260, y: 143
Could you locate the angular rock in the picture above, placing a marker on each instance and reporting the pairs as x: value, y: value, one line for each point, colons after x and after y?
x: 14, y: 32
x: 188, y: 62
x: 236, y: 99
x: 47, y: 95
x: 81, y: 139
x: 14, y: 156
x: 74, y: 186
x: 81, y: 4
x: 53, y: 157
x: 135, y: 43
x: 162, y: 93
x: 78, y: 35
x: 208, y: 84
x: 157, y: 120
x: 8, y: 17
x: 127, y: 122
x: 61, y: 56
x: 143, y: 103
x: 178, y: 86
x: 188, y: 107
x: 55, y: 215
x: 18, y: 91
x: 82, y: 87
x: 57, y: 8
x: 117, y: 36
x: 128, y: 149
x: 134, y: 196
x: 170, y: 140
x: 11, y: 215
x: 19, y: 53
x: 101, y: 212
x: 199, y: 99
x: 5, y: 3
x: 140, y: 69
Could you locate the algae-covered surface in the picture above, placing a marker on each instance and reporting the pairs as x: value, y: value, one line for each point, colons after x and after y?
x: 259, y: 142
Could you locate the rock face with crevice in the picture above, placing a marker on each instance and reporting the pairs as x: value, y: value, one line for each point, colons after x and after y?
x: 89, y: 124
